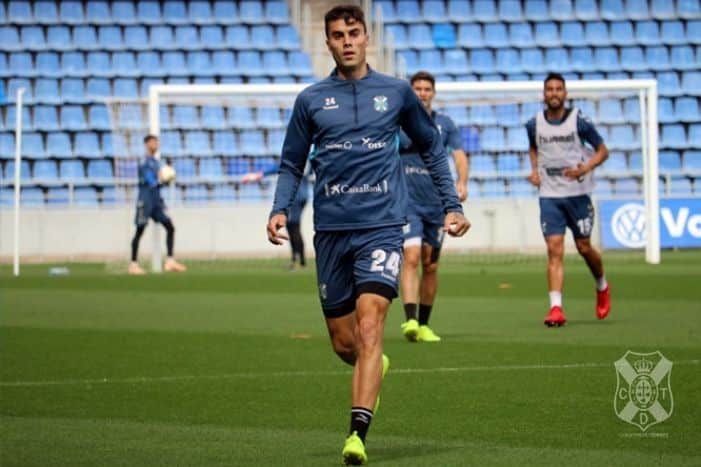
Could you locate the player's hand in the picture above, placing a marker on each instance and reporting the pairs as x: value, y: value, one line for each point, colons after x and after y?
x: 575, y: 172
x: 534, y: 178
x: 275, y: 223
x: 252, y: 177
x: 456, y: 225
x: 462, y: 191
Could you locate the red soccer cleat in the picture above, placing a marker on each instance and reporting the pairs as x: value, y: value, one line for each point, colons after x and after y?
x: 555, y: 318
x: 603, y: 302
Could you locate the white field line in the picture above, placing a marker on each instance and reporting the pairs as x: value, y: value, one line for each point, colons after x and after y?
x: 292, y: 374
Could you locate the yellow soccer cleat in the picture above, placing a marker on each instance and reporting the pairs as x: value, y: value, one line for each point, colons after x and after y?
x: 410, y: 329
x: 354, y: 451
x: 426, y: 334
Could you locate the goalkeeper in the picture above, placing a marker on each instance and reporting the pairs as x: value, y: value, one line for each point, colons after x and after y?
x: 150, y: 204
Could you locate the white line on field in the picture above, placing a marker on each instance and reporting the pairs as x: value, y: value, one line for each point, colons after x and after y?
x: 173, y: 379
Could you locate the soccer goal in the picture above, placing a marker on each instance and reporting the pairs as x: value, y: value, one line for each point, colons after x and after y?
x: 214, y: 133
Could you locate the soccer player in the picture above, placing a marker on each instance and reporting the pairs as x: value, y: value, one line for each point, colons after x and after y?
x: 353, y: 118
x: 150, y: 205
x: 423, y: 233
x: 562, y: 166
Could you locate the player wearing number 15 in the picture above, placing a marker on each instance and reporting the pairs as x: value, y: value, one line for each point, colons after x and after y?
x: 562, y: 166
x: 353, y: 119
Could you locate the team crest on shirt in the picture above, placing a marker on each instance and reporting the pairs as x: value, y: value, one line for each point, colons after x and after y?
x: 381, y: 104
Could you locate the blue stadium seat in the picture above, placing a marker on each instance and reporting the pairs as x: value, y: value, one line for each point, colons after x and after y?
x: 484, y: 11
x: 456, y: 61
x: 46, y: 91
x: 173, y: 63
x: 125, y: 88
x: 695, y: 135
x: 11, y: 118
x: 58, y: 145
x: 611, y: 112
x: 275, y: 63
x: 71, y: 12
x: 516, y: 139
x: 557, y: 59
x: 521, y: 35
x: 251, y: 12
x: 631, y: 110
x: 241, y: 117
x: 672, y: 33
x: 662, y: 9
x: 669, y: 161
x: 626, y: 186
x: 665, y: 111
x: 250, y: 63
x: 657, y: 58
x: 433, y: 11
x: 110, y: 37
x: 123, y: 12
x: 508, y: 163
x: 419, y: 36
x: 71, y: 170
x: 200, y: 64
x: 507, y: 61
x: 572, y: 33
x: 21, y: 64
x: 45, y: 118
x: 47, y: 64
x: 691, y: 162
x: 224, y: 143
x: 253, y: 143
x: 673, y: 136
x: 561, y: 10
x: 223, y: 193
x: 277, y: 12
x: 596, y: 33
x: 98, y: 89
x: 213, y: 118
x: 146, y: 84
x: 174, y: 12
x: 98, y: 12
x: 197, y: 143
x: 58, y: 196
x: 481, y: 164
x: 520, y: 188
x: 408, y: 11
x: 186, y: 37
x: 237, y: 166
x: 268, y: 117
x: 681, y: 186
x: 162, y: 37
x: 32, y: 196
x: 185, y: 117
x: 647, y: 33
x: 31, y: 38
x: 25, y: 173
x: 287, y: 38
x: 510, y: 11
x: 622, y: 33
x: 586, y: 10
x: 20, y: 12
x: 200, y: 12
x: 495, y: 35
x: 72, y: 64
x: 606, y: 59
x: 225, y: 12
x: 470, y: 35
x: 124, y: 64
x: 492, y: 139
x: 668, y: 84
x: 212, y: 37
x: 45, y: 171
x: 386, y: 10
x: 85, y: 38
x: 211, y: 167
x: 482, y: 61
x: 85, y: 196
x: 536, y: 10
x: 689, y: 9
x: 148, y: 12
x: 637, y: 9
x: 691, y: 83
x: 632, y: 59
x: 300, y: 64
x: 262, y: 37
x: 237, y: 37
x: 444, y: 35
x: 99, y: 117
x: 73, y: 118
x: 396, y: 33
x: 409, y: 60
x: 185, y: 168
x: 276, y: 138
x: 493, y: 189
x: 459, y: 11
x: 532, y: 60
x: 693, y: 32
x: 87, y: 146
x: 686, y: 109
x: 98, y: 64
x: 431, y: 60
x: 615, y: 163
x: 612, y: 10
x: 623, y: 138
x: 171, y: 144
x: 149, y: 64
x: 58, y: 38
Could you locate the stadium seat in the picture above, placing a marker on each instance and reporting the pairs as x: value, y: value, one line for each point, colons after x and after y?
x: 510, y: 11
x: 692, y: 163
x: 32, y: 196
x: 213, y: 118
x: 174, y: 12
x: 610, y: 112
x: 71, y: 12
x: 586, y: 10
x: 186, y: 37
x: 225, y: 12
x: 534, y: 10
x: 444, y: 36
x: 647, y: 33
x: 521, y: 35
x: 31, y: 38
x: 287, y: 38
x: 47, y: 65
x: 456, y: 61
x: 622, y: 33
x: 20, y: 12
x: 71, y: 170
x: 507, y: 61
x: 484, y: 11
x: 73, y: 118
x: 681, y: 186
x: 237, y: 37
x: 668, y: 84
x: 171, y: 144
x: 532, y: 60
x: 251, y: 12
x: 632, y: 59
x: 110, y: 38
x: 673, y: 136
x: 623, y: 138
x: 300, y: 64
x: 21, y: 64
x: 262, y: 37
x: 72, y: 64
x: 433, y: 11
x: 431, y: 60
x: 419, y: 36
x: 200, y: 64
x: 492, y: 139
x: 98, y: 64
x: 657, y: 58
x: 691, y: 83
x: 508, y: 163
x: 211, y: 168
x: 45, y: 118
x: 85, y: 196
x: 669, y: 161
x: 212, y: 37
x: 125, y: 88
x: 162, y: 37
x: 185, y: 117
x: 200, y: 12
x: 596, y: 33
x: 99, y: 117
x: 124, y: 64
x: 665, y: 111
x: 616, y: 163
x: 470, y: 35
x: 149, y: 64
x: 124, y: 12
x: 185, y: 168
x: 58, y: 38
x: 25, y: 173
x: 493, y: 189
x: 561, y: 10
x: 408, y: 11
x: 268, y: 117
x: 631, y: 110
x: 662, y: 9
x: 46, y: 91
x: 557, y: 59
x: 87, y: 145
x: 572, y: 33
x: 58, y: 145
x: 606, y: 59
x: 98, y: 12
x: 637, y: 9
x: 196, y: 194
x: 173, y: 63
x: 98, y: 89
x: 148, y: 12
x: 686, y: 110
x: 613, y: 10
x: 396, y: 33
x: 224, y: 144
x: 197, y: 143
x: 85, y: 38
x: 693, y: 32
x: 73, y: 91
x: 482, y: 165
x: 495, y: 35
x: 250, y: 63
x: 223, y: 193
x: 672, y: 33
x: 695, y: 135
x: 626, y: 186
x: 11, y: 118
x: 689, y: 9
x: 58, y: 196
x: 459, y: 11
x: 45, y: 171
x: 482, y: 61
x: 253, y: 143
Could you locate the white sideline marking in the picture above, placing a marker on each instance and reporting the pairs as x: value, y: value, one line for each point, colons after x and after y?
x: 173, y: 379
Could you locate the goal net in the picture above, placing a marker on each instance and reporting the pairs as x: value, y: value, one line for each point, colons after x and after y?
x: 214, y: 134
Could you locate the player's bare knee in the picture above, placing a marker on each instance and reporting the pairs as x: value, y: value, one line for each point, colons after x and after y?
x: 344, y: 347
x: 369, y: 331
x: 584, y: 248
x: 430, y: 267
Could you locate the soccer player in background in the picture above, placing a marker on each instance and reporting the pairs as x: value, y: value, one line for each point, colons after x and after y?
x: 562, y: 166
x: 150, y: 204
x: 423, y: 233
x: 353, y: 118
x: 294, y: 225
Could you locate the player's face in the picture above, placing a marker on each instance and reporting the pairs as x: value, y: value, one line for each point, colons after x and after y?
x: 347, y: 42
x: 555, y: 94
x: 152, y: 146
x: 424, y: 90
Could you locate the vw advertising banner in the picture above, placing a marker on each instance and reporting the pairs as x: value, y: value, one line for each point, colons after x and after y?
x: 623, y: 223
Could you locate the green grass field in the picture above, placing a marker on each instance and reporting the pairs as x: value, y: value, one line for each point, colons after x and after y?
x: 230, y: 364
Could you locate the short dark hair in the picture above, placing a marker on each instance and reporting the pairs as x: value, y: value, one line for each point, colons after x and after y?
x: 423, y: 76
x: 148, y: 138
x: 348, y: 13
x: 556, y: 76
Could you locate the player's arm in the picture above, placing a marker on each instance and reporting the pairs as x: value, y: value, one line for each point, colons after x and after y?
x: 534, y: 176
x: 295, y: 150
x: 418, y: 126
x: 462, y: 163
x: 587, y: 132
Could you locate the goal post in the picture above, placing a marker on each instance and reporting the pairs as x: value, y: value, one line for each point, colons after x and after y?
x: 469, y: 99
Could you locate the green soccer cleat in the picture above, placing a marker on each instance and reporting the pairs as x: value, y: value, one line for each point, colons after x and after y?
x: 410, y: 329
x: 354, y: 451
x: 385, y: 369
x: 426, y: 334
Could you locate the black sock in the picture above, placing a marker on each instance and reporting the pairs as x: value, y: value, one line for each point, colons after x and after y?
x: 360, y: 421
x: 424, y: 313
x: 410, y: 310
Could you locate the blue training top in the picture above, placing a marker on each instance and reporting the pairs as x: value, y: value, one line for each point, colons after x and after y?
x: 424, y: 200
x: 354, y: 127
x: 149, y: 188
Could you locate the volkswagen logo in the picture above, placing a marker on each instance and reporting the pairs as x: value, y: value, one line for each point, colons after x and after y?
x: 628, y: 225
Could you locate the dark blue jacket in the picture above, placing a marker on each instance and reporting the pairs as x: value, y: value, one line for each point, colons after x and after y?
x: 354, y: 128
x: 149, y: 188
